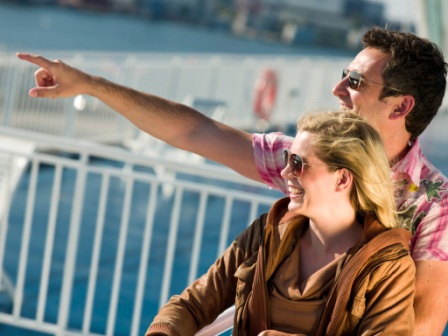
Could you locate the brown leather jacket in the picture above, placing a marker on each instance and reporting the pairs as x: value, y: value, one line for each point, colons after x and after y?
x: 380, y: 300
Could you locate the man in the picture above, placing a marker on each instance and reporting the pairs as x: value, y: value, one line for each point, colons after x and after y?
x: 397, y: 82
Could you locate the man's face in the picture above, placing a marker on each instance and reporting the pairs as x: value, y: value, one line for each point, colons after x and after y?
x: 365, y: 101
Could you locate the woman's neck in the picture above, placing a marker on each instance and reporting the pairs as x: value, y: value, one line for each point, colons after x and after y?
x: 333, y: 236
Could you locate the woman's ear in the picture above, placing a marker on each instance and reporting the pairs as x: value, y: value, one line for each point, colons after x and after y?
x: 345, y: 179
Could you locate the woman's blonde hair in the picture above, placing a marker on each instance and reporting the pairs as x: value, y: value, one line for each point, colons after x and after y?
x: 345, y: 140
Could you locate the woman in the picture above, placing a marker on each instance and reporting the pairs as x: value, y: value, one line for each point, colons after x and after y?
x: 327, y: 260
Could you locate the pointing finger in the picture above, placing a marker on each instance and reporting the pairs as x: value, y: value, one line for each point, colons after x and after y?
x: 35, y: 59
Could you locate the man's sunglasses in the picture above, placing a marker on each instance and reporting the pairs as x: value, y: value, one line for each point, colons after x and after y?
x: 355, y: 79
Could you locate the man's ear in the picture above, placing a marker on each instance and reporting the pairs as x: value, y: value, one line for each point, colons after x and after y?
x: 345, y: 179
x: 403, y: 107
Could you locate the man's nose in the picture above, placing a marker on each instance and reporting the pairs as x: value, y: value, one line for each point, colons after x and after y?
x: 341, y: 87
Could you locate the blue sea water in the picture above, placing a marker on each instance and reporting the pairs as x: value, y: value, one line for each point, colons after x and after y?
x: 38, y: 29
x: 30, y: 28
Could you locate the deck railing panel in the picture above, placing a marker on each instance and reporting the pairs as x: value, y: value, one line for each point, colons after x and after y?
x: 93, y: 228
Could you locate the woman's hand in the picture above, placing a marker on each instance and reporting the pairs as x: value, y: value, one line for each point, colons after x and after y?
x: 277, y: 333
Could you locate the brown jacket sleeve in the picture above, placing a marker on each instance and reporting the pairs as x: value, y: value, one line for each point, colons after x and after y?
x: 211, y: 294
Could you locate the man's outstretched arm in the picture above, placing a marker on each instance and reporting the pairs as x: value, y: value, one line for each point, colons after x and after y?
x: 174, y: 123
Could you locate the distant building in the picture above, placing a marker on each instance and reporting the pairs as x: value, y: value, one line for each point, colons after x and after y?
x: 296, y: 21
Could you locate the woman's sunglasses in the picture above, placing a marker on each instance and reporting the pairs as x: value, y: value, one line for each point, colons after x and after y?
x: 295, y: 163
x: 355, y: 79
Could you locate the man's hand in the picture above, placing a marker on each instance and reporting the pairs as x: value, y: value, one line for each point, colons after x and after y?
x: 55, y: 79
x: 431, y: 297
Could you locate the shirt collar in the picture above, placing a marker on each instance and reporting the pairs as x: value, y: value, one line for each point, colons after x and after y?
x: 412, y: 163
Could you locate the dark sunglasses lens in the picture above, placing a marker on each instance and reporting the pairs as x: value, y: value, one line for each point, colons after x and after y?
x: 294, y: 161
x: 354, y: 78
x: 353, y: 82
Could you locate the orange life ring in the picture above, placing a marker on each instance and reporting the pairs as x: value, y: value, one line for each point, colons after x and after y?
x: 265, y: 94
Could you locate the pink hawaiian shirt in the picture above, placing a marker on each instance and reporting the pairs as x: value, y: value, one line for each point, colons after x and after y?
x: 421, y: 194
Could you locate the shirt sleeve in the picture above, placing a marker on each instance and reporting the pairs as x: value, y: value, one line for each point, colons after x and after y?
x: 268, y: 153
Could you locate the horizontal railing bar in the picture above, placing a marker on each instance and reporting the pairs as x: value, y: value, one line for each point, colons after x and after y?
x: 95, y: 150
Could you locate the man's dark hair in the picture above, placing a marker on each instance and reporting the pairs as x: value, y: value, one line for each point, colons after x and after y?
x: 416, y: 68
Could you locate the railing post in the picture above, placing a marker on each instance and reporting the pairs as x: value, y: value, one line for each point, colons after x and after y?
x: 26, y: 235
x: 72, y: 244
x: 171, y: 246
x: 142, y: 270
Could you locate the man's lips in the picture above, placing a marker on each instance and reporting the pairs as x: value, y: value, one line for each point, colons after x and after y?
x: 345, y: 106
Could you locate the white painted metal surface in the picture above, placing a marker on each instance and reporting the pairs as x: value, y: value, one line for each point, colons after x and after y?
x: 235, y: 200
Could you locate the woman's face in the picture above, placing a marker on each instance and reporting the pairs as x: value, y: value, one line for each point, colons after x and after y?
x: 312, y: 193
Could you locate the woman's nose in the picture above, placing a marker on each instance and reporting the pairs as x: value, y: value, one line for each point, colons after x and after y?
x: 286, y: 172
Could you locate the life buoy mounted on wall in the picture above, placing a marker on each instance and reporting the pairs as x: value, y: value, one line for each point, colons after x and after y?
x: 265, y: 94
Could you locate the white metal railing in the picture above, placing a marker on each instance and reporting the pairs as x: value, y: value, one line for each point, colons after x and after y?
x: 304, y: 83
x: 93, y: 246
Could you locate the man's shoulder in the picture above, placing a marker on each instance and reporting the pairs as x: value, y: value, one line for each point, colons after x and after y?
x: 421, y: 190
x: 431, y: 183
x: 423, y: 172
x: 433, y: 180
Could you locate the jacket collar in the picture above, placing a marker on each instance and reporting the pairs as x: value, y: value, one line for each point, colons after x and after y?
x: 279, y: 213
